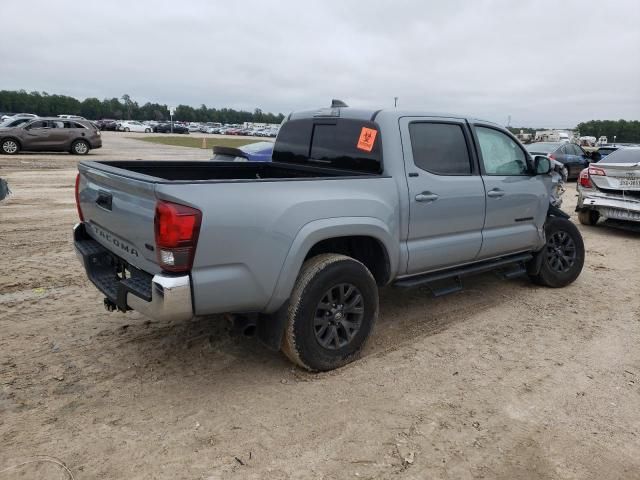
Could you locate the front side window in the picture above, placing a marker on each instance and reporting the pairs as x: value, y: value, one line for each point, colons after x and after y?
x: 440, y: 148
x: 501, y: 155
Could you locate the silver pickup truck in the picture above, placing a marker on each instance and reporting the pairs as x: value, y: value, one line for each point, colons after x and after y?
x: 296, y: 248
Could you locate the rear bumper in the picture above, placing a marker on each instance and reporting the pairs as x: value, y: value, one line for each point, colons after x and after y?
x: 611, y: 206
x: 161, y: 297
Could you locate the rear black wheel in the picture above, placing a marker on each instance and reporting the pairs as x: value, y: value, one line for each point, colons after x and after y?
x: 331, y: 312
x: 588, y: 217
x: 562, y: 258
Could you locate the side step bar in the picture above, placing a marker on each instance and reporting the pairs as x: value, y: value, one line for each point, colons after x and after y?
x: 516, y: 264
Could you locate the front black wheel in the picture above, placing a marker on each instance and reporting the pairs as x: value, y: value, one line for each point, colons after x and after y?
x: 331, y: 312
x: 562, y: 258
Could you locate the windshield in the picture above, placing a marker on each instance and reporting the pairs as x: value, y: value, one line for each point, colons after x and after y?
x: 541, y: 147
x: 14, y: 122
x: 623, y: 155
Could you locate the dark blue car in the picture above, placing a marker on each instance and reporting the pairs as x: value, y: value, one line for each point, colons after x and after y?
x: 569, y: 154
x: 253, y: 152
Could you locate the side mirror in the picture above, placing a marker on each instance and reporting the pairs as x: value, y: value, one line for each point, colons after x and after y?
x: 541, y: 164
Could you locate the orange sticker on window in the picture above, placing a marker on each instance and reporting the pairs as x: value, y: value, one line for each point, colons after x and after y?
x: 367, y: 139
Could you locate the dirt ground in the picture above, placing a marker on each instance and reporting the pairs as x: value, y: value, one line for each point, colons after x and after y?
x: 504, y: 380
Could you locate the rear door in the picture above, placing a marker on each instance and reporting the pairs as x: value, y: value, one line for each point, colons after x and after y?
x: 62, y: 132
x: 517, y: 201
x: 446, y: 193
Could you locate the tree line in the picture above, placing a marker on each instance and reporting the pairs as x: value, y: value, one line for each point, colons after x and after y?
x: 123, y: 108
x: 625, y: 131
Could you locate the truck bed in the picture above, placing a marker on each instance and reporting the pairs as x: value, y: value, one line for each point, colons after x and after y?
x: 208, y: 171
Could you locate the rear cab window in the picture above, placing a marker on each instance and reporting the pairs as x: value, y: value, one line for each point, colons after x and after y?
x: 340, y: 144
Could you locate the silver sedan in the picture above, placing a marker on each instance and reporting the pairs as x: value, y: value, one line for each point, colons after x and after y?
x: 611, y: 188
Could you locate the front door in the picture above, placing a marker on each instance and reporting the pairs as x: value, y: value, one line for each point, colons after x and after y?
x: 517, y: 201
x: 446, y: 193
x: 37, y: 135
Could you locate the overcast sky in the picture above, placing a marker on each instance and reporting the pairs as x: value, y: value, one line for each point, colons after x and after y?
x: 544, y: 63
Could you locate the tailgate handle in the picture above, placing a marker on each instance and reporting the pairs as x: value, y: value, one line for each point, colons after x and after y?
x: 104, y: 200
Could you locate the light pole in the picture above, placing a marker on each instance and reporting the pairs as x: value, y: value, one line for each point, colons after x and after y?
x: 395, y: 102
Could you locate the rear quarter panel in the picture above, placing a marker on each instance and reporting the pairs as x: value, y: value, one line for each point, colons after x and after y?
x: 253, y: 234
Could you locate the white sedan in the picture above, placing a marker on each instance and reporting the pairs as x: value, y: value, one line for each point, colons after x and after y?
x: 133, y: 126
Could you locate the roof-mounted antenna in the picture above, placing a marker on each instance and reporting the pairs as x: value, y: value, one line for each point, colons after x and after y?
x: 338, y: 104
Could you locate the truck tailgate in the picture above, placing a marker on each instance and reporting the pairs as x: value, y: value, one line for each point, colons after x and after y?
x: 113, y: 203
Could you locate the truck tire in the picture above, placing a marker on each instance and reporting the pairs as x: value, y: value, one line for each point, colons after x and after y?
x: 331, y: 312
x: 562, y: 258
x: 588, y: 217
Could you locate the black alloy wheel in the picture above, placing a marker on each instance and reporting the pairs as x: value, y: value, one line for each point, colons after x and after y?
x: 561, y: 252
x: 338, y: 316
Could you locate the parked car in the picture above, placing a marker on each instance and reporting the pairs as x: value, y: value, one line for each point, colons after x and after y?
x: 304, y: 241
x: 571, y: 155
x: 107, y: 124
x: 605, y: 150
x: 74, y: 117
x: 193, y: 128
x: 253, y: 152
x: 133, y: 126
x: 51, y: 135
x: 166, y: 128
x: 610, y: 188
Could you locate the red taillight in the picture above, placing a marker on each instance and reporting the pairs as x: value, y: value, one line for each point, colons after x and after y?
x: 597, y: 171
x: 177, y: 228
x: 584, y: 179
x: 77, y: 192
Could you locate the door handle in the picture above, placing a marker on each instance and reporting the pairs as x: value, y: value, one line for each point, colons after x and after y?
x: 105, y: 200
x: 426, y: 197
x: 495, y: 193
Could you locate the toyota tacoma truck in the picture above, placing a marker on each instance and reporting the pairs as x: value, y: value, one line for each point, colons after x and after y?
x: 297, y: 248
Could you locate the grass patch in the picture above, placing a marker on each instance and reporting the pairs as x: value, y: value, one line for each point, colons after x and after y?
x: 192, y: 142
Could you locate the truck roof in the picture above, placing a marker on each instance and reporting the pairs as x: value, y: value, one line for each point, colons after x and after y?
x: 372, y: 114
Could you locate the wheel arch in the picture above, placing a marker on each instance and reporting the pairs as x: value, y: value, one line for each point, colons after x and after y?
x: 11, y: 137
x: 344, y: 234
x: 556, y: 212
